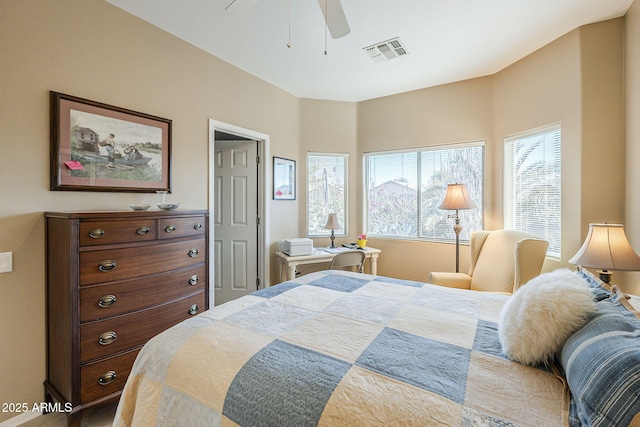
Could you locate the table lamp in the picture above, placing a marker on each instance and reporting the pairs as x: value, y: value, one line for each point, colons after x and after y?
x: 332, y: 224
x: 607, y: 248
x: 457, y: 198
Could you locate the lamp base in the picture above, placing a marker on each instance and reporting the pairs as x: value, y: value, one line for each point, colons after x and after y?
x: 457, y: 229
x: 333, y: 236
x: 605, y: 275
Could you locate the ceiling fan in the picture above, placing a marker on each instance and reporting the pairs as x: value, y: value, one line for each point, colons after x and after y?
x: 332, y: 11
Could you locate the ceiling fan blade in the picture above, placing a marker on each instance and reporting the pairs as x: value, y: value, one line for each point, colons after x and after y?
x: 335, y: 18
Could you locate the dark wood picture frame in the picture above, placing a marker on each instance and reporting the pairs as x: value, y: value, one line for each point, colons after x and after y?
x: 284, y: 179
x: 99, y: 147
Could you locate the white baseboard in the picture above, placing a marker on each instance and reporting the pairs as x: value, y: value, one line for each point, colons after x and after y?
x: 21, y: 419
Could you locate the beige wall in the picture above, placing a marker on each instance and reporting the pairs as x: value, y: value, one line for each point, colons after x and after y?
x: 457, y: 112
x: 91, y: 49
x: 632, y: 94
x: 330, y: 127
x: 539, y: 90
x: 576, y: 81
x: 96, y: 51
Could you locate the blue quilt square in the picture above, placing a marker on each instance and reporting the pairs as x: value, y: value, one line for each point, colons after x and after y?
x: 487, y: 340
x: 399, y: 281
x: 276, y: 290
x: 432, y: 365
x: 284, y: 383
x: 340, y: 283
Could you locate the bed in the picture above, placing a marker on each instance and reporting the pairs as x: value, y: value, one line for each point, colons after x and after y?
x: 340, y: 348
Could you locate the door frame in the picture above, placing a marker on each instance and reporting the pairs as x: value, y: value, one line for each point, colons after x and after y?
x: 264, y: 178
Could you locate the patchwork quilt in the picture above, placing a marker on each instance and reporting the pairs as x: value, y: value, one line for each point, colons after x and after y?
x: 336, y: 348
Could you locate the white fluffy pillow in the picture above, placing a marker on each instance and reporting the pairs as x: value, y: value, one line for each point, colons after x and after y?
x: 541, y: 315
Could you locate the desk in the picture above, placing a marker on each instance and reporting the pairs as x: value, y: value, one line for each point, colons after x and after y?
x: 321, y: 256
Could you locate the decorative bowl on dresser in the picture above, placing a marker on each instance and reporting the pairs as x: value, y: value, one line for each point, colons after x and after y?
x: 115, y: 280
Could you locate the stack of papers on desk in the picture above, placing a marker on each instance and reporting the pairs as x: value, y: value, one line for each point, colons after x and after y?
x: 297, y: 247
x: 336, y: 250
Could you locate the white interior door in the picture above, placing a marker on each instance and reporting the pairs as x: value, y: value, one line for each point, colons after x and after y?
x: 235, y: 219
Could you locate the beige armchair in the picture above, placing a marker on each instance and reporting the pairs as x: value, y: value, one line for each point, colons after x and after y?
x: 501, y: 261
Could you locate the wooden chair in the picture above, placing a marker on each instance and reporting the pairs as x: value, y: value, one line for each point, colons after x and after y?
x: 348, y: 259
x: 501, y: 261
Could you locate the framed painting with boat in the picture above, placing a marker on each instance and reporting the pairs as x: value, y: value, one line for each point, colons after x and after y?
x: 99, y: 147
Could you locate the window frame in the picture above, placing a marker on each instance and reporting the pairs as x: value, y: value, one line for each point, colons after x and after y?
x: 344, y: 231
x: 418, y: 150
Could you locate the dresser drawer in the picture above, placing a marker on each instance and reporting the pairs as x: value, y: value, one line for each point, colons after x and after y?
x: 178, y: 227
x: 134, y: 329
x: 120, y: 264
x: 109, y: 232
x: 106, y: 376
x: 103, y: 301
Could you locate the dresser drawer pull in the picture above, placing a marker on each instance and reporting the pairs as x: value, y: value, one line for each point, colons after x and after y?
x: 142, y: 230
x: 106, y: 300
x: 170, y: 228
x: 193, y: 253
x: 197, y: 226
x: 96, y: 233
x: 193, y: 309
x: 107, y: 378
x: 107, y: 338
x: 107, y: 265
x: 194, y: 279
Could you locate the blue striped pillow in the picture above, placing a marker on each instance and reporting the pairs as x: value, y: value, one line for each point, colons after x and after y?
x: 600, y: 289
x: 602, y: 365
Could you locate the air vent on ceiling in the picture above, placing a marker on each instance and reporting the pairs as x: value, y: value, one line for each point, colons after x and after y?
x: 384, y: 51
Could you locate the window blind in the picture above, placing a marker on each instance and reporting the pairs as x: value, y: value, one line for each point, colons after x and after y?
x: 326, y: 192
x: 532, y: 184
x: 405, y: 188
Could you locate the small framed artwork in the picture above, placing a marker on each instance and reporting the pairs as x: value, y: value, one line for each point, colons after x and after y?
x: 284, y: 179
x: 99, y: 147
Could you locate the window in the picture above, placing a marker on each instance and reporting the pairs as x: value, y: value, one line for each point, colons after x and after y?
x: 326, y: 192
x: 405, y: 188
x: 532, y: 184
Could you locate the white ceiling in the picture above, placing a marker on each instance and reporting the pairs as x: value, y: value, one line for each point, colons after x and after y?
x: 447, y: 40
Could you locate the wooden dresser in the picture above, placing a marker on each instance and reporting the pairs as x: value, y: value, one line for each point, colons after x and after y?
x: 114, y: 280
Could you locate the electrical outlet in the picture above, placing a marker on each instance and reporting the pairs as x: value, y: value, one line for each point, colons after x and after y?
x: 6, y: 262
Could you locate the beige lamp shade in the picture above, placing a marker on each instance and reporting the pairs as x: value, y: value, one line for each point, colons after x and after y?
x: 332, y: 222
x: 457, y: 198
x: 606, y: 247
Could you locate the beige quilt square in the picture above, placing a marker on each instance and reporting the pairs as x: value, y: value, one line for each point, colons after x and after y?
x: 233, y: 306
x: 335, y: 336
x: 309, y: 297
x: 205, y: 365
x: 141, y: 397
x: 226, y: 422
x: 388, y: 291
x: 490, y: 308
x: 445, y: 326
x: 516, y: 393
x: 367, y: 399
